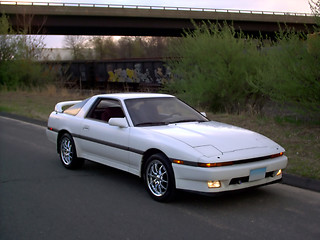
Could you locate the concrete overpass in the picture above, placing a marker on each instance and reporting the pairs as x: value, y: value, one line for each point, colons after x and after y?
x: 104, y: 19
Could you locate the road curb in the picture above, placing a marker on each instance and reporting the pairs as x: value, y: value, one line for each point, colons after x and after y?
x: 288, y: 179
x: 24, y: 119
x: 301, y: 182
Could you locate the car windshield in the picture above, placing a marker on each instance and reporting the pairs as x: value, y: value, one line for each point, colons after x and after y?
x: 161, y: 111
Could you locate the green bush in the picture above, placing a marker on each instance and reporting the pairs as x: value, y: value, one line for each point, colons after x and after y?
x: 224, y: 70
x: 214, y: 66
x: 19, y: 68
x: 291, y: 75
x: 23, y: 74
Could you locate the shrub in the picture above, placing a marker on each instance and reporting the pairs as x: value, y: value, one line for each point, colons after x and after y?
x: 224, y: 70
x: 292, y: 75
x: 23, y: 74
x: 214, y: 66
x: 18, y: 59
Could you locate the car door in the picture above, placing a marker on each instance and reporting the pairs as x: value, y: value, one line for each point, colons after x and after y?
x: 102, y: 142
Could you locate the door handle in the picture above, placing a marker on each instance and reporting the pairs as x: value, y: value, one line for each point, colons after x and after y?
x: 86, y: 127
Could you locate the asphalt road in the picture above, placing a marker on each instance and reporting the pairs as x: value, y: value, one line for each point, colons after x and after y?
x: 40, y: 199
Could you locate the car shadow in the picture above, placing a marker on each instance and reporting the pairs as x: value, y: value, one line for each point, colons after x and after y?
x: 122, y: 178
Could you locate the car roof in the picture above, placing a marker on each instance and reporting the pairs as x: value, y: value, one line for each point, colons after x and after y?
x: 125, y: 96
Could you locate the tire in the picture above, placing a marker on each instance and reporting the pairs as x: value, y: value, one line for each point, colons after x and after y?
x: 159, y: 178
x: 67, y: 152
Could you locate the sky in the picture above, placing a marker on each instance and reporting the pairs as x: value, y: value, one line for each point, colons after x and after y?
x: 298, y: 6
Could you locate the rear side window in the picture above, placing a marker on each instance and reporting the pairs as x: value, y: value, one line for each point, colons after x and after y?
x: 75, y: 109
x: 106, y: 109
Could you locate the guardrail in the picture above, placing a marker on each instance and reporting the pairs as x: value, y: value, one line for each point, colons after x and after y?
x: 98, y: 5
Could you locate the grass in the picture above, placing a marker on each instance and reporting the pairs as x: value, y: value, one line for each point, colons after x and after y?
x: 301, y: 140
x: 37, y: 104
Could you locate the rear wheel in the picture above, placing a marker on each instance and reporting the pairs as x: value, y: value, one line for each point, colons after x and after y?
x: 159, y: 178
x: 68, y: 154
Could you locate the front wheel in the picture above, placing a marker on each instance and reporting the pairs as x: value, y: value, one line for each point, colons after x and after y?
x: 67, y: 152
x: 159, y: 178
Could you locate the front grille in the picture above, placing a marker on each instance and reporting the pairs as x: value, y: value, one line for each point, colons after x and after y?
x: 239, y: 180
x: 258, y: 159
x: 245, y: 179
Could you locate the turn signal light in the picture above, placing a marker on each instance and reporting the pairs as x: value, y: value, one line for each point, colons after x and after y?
x: 178, y: 161
x: 277, y: 155
x: 279, y: 172
x: 215, y: 164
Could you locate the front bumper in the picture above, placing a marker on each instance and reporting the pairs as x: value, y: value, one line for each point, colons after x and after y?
x: 233, y: 177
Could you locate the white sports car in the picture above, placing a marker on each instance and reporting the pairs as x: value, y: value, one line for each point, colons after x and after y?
x: 164, y: 141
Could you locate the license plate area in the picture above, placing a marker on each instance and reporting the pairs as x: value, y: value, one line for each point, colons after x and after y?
x: 257, y: 174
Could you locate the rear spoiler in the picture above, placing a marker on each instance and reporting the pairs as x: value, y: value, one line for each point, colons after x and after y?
x: 60, y: 105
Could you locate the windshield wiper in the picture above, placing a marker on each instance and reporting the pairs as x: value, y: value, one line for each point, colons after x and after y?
x: 151, y: 124
x: 188, y: 120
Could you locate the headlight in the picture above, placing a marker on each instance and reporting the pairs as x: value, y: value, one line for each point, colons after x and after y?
x: 208, y: 151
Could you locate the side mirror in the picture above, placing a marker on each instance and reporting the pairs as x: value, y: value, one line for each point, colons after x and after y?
x: 204, y: 114
x: 118, y: 122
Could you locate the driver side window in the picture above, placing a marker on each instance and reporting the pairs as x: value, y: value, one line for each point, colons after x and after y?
x: 106, y: 109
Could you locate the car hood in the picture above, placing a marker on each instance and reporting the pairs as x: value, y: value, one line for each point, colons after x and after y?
x: 223, y: 137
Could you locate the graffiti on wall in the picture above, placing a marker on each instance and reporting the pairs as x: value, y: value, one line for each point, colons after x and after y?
x: 95, y: 74
x: 139, y: 75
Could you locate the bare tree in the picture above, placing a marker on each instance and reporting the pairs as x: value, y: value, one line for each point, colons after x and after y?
x: 77, y: 44
x: 315, y: 9
x: 157, y: 46
x: 18, y: 45
x: 104, y: 48
x: 7, y: 40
